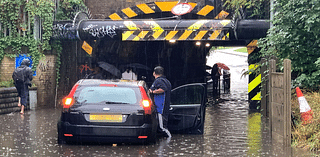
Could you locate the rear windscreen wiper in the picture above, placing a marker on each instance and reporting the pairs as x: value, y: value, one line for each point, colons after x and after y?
x: 112, y: 102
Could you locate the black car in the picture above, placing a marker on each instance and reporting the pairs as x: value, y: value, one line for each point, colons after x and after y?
x: 121, y: 111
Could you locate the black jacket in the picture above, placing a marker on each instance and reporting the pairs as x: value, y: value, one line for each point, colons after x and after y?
x: 28, y: 71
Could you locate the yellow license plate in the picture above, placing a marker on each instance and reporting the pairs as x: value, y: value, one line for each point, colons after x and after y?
x: 105, y: 118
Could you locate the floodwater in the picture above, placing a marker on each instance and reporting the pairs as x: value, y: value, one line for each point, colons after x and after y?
x: 230, y: 129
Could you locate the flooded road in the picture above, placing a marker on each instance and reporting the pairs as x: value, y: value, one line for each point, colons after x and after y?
x: 230, y: 130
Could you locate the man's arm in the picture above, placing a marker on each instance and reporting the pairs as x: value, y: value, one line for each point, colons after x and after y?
x: 157, y: 91
x: 30, y: 74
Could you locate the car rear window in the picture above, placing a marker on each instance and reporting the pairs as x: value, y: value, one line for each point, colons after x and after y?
x: 107, y: 94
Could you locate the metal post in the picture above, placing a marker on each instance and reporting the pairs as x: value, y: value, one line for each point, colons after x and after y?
x: 271, y: 12
x: 36, y: 28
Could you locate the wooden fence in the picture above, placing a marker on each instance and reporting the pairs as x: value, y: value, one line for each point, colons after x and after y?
x: 275, y: 101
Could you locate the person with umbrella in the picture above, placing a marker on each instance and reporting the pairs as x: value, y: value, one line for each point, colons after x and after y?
x: 226, y: 81
x: 97, y: 72
x: 215, y: 76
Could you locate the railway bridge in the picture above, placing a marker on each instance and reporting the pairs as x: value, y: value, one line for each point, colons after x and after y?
x: 175, y: 35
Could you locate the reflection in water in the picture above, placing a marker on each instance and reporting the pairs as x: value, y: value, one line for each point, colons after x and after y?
x: 230, y: 130
x: 254, y: 134
x: 162, y: 146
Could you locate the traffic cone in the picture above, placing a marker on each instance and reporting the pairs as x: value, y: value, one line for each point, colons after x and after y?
x: 305, y: 110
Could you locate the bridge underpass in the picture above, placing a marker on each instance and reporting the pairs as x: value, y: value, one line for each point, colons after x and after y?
x: 169, y: 41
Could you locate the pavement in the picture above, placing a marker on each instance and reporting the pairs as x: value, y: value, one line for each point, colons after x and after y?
x: 232, y: 51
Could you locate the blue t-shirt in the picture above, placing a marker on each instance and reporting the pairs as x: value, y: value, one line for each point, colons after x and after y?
x: 162, y: 101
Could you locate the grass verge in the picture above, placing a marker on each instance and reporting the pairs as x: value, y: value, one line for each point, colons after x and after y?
x: 306, y: 136
x: 244, y: 50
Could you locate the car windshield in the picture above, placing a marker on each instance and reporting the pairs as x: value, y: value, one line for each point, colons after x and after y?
x: 108, y: 95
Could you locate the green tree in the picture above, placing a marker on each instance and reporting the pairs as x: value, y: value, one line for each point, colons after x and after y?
x: 249, y: 9
x: 296, y: 35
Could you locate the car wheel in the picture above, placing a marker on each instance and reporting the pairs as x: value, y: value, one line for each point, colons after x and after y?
x: 60, y: 136
x: 153, y: 136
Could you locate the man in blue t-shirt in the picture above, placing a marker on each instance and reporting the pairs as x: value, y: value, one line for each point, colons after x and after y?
x: 161, y: 89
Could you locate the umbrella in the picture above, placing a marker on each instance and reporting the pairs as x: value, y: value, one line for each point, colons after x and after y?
x: 137, y: 66
x: 110, y: 68
x: 223, y: 66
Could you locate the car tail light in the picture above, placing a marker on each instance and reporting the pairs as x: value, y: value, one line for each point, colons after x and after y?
x: 68, y: 101
x: 146, y: 103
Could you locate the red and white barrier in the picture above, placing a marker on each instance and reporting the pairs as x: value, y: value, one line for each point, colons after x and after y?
x: 305, y: 109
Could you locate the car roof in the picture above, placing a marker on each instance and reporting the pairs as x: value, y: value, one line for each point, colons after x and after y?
x: 117, y: 82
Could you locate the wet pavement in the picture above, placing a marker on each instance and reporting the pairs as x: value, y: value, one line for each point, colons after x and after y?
x: 231, y: 129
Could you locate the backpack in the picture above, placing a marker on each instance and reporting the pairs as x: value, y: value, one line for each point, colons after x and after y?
x: 18, y: 74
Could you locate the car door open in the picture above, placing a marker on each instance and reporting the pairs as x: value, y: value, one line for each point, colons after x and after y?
x: 187, y: 109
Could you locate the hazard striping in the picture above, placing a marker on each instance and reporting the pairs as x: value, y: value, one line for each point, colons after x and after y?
x: 253, y: 84
x: 257, y: 97
x: 156, y: 7
x: 130, y: 25
x: 161, y: 34
x: 199, y: 30
x: 252, y: 46
x: 129, y: 12
x: 254, y: 81
x: 205, y: 10
x: 115, y: 16
x: 222, y: 15
x: 145, y: 8
x: 187, y: 30
x: 197, y: 24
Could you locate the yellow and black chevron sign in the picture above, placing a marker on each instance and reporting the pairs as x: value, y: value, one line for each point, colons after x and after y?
x: 154, y: 7
x: 254, y: 84
x: 254, y: 80
x: 189, y: 30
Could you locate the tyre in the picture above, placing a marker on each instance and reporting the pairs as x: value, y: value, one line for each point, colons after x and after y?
x: 60, y: 136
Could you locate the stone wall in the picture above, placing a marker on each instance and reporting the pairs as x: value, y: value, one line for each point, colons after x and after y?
x: 9, y: 100
x: 45, y: 80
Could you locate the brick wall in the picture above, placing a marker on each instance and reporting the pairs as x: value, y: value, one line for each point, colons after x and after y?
x: 6, y: 69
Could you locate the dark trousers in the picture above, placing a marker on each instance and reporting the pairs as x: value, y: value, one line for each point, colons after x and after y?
x: 215, y: 88
x: 226, y: 83
x: 23, y: 92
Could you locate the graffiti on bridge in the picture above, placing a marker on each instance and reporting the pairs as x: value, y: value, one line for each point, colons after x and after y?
x: 64, y: 31
x: 102, y: 31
